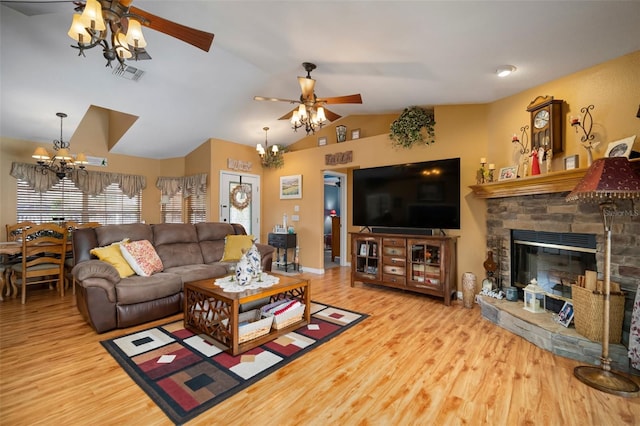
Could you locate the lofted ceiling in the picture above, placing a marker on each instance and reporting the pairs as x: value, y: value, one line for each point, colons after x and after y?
x: 394, y: 53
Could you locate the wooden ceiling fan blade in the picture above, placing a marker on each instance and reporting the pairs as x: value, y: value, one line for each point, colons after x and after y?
x: 200, y: 39
x: 306, y: 86
x: 331, y: 116
x: 348, y: 99
x: 263, y: 98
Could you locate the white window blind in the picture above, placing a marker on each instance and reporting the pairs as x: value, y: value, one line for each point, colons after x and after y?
x: 65, y: 202
x: 172, y: 210
x: 197, y: 208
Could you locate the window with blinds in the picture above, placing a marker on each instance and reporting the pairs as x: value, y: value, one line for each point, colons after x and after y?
x: 172, y: 209
x: 65, y: 202
x: 197, y: 209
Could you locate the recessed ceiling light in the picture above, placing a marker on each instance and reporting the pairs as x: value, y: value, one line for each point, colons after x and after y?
x: 505, y: 70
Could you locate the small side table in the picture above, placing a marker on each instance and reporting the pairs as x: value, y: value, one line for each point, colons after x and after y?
x: 285, y: 242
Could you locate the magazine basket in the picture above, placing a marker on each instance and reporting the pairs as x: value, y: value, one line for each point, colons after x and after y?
x: 284, y: 319
x: 588, y: 308
x: 252, y: 325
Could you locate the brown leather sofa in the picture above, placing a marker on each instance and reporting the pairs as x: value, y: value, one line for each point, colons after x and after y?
x: 188, y: 252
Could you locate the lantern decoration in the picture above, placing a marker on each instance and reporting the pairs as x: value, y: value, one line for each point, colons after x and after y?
x: 534, y: 300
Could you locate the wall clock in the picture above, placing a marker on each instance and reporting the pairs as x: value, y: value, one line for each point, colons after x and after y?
x: 546, y: 123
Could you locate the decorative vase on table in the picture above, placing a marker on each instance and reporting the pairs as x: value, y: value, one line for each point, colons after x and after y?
x: 468, y: 289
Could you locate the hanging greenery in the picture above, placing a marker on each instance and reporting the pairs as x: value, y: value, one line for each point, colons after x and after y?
x: 407, y: 129
x: 274, y: 161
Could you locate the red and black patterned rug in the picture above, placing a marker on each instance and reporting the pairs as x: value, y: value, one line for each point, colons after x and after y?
x: 185, y: 374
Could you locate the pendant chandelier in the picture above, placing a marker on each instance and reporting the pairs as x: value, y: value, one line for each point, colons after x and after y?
x: 270, y: 158
x: 108, y: 24
x: 62, y: 163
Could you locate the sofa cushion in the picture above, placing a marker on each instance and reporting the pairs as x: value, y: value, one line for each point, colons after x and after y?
x: 108, y: 234
x: 136, y: 289
x: 199, y: 272
x: 235, y: 246
x: 142, y: 257
x: 112, y: 255
x: 177, y: 244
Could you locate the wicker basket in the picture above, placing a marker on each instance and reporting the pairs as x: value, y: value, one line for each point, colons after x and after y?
x: 252, y: 325
x: 287, y: 318
x: 284, y: 319
x: 588, y: 308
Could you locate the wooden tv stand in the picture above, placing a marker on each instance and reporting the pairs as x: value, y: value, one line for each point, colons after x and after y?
x: 419, y: 263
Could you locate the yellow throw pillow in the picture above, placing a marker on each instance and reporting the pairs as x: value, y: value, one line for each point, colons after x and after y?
x: 112, y: 255
x: 233, y: 246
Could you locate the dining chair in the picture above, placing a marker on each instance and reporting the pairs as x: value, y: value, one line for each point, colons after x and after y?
x: 14, y: 233
x: 44, y: 249
x: 70, y: 261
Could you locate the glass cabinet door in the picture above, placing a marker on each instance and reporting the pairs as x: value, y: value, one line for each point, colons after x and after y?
x: 424, y: 264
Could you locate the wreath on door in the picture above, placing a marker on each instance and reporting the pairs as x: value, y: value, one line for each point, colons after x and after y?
x: 240, y: 197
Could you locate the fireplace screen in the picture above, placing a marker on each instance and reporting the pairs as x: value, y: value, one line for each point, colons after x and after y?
x: 554, y: 259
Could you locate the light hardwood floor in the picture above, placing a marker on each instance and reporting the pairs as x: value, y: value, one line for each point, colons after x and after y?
x: 413, y: 361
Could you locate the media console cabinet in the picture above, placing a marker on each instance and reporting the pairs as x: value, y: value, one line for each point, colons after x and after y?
x: 423, y: 264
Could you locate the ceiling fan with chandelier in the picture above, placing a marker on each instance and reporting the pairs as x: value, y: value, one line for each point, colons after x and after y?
x: 116, y: 26
x: 91, y: 27
x: 311, y: 113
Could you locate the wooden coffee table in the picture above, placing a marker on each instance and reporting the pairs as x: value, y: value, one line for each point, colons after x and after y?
x: 211, y: 311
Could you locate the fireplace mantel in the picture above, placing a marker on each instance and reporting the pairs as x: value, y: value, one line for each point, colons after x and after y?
x: 547, y: 183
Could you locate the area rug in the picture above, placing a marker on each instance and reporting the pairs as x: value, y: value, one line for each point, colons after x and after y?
x: 185, y: 374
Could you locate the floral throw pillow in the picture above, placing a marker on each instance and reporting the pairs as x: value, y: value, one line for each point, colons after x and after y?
x: 142, y: 257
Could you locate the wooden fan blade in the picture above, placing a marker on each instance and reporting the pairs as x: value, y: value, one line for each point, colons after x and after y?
x: 349, y: 99
x: 306, y: 85
x: 262, y: 98
x: 200, y: 39
x: 331, y: 116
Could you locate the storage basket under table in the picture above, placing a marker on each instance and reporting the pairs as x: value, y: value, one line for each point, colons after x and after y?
x: 252, y: 325
x: 588, y: 309
x: 287, y: 318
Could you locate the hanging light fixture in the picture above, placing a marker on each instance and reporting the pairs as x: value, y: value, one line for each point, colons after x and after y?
x: 103, y: 23
x: 271, y: 158
x: 62, y: 163
x: 309, y: 117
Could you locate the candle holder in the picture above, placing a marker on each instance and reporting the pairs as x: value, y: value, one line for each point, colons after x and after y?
x: 586, y: 125
x: 524, y: 143
x: 481, y: 174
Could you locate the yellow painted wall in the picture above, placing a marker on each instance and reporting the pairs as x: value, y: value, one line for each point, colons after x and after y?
x: 369, y: 125
x: 613, y: 88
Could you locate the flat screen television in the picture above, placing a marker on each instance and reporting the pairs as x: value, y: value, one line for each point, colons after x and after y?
x: 416, y: 196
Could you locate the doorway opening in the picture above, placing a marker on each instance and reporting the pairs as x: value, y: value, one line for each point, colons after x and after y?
x: 334, y: 229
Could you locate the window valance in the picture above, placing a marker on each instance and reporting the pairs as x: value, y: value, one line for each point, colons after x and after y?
x: 88, y: 181
x: 195, y: 185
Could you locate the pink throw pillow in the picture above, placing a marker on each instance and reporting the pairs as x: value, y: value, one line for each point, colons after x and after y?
x: 142, y: 257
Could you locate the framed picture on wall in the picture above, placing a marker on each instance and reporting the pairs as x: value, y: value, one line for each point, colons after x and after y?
x: 355, y: 134
x: 290, y: 187
x: 322, y: 140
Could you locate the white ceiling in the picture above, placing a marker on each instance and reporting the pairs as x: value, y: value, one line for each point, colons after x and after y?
x: 394, y: 53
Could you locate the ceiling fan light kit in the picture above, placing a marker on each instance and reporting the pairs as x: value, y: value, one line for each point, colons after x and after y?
x: 311, y: 114
x: 99, y: 18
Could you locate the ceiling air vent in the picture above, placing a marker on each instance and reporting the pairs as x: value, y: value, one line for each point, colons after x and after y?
x: 128, y: 72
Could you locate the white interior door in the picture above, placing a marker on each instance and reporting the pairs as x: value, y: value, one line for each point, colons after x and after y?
x: 244, y: 208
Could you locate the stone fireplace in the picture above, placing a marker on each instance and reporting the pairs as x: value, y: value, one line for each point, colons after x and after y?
x: 549, y: 212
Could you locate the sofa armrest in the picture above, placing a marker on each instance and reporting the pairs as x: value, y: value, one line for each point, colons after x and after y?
x: 266, y: 253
